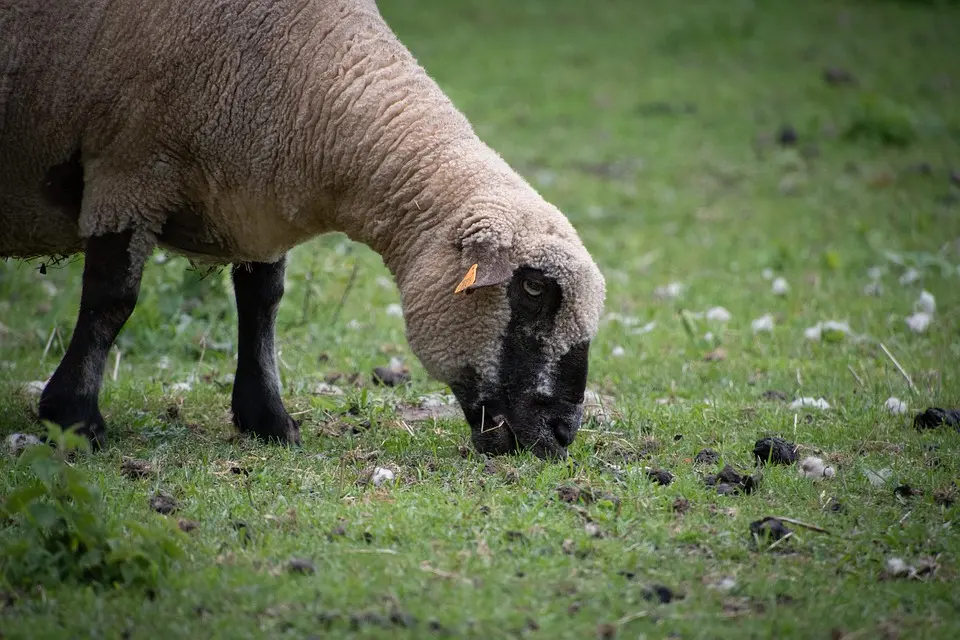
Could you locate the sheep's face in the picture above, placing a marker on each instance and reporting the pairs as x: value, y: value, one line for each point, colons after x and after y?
x: 513, y: 344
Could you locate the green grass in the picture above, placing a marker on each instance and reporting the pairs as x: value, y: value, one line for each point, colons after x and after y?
x: 653, y: 126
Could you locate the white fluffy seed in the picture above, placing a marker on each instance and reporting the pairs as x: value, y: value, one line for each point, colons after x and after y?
x: 919, y: 321
x: 395, y: 310
x: 875, y: 273
x: 910, y: 276
x: 897, y: 567
x: 34, y: 388
x: 718, y: 314
x: 17, y: 442
x: 381, y: 475
x: 873, y: 289
x: 813, y: 403
x: 926, y: 303
x: 327, y: 389
x: 647, y: 328
x: 618, y: 351
x: 767, y: 274
x: 669, y: 291
x: 896, y: 406
x: 763, y: 323
x: 815, y: 468
x: 780, y: 287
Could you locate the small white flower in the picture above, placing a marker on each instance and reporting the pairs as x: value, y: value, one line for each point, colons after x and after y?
x: 381, y: 475
x: 896, y: 406
x: 813, y: 333
x: 910, y: 276
x: 618, y: 352
x: 763, y: 323
x: 669, y: 291
x: 395, y: 310
x: 926, y: 303
x: 718, y: 314
x: 385, y: 282
x: 813, y: 403
x: 708, y: 336
x: 897, y: 567
x: 181, y: 387
x: 919, y: 321
x: 767, y: 274
x: 780, y: 287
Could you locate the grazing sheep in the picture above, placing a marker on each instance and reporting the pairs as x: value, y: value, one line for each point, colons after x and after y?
x: 232, y: 131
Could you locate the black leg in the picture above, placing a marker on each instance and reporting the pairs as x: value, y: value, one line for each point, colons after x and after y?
x: 111, y: 283
x: 257, y: 407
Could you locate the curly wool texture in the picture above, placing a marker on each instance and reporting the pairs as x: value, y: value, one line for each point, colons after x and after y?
x: 231, y: 132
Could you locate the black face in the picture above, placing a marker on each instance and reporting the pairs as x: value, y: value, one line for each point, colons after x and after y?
x: 534, y: 404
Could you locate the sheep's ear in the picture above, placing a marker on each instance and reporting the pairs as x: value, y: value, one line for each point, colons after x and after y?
x: 485, y: 274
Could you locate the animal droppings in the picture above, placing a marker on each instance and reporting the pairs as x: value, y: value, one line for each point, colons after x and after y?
x: 906, y: 491
x: 774, y: 395
x: 763, y: 324
x: 787, y: 135
x: 136, y: 469
x: 17, y: 442
x: 775, y: 451
x: 729, y: 482
x: 835, y: 76
x: 769, y: 530
x: 812, y: 403
x: 718, y: 314
x: 381, y: 475
x: 164, y: 503
x: 661, y: 594
x: 919, y: 321
x: 390, y: 376
x: 301, y: 566
x: 935, y: 417
x: 926, y: 303
x: 815, y: 468
x: 706, y: 456
x: 896, y: 406
x: 780, y: 287
x: 660, y: 476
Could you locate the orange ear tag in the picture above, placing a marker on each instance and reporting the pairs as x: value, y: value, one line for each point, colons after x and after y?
x: 468, y: 279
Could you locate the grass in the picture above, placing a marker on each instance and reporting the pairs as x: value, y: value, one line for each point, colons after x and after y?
x: 654, y: 126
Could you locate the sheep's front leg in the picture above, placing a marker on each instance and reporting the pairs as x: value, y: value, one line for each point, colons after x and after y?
x: 257, y: 407
x: 111, y: 284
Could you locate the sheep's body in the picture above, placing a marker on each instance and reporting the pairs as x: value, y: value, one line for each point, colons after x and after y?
x: 231, y: 132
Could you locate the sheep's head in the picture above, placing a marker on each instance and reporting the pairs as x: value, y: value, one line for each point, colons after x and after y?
x: 508, y: 326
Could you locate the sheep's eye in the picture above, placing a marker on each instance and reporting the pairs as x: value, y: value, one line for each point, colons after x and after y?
x: 533, y: 288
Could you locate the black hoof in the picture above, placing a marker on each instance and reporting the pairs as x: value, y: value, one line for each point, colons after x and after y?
x: 80, y: 414
x: 269, y: 425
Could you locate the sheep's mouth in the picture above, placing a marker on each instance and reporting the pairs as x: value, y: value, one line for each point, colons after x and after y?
x: 501, y: 432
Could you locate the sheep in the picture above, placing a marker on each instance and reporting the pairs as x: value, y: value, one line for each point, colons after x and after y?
x: 231, y: 132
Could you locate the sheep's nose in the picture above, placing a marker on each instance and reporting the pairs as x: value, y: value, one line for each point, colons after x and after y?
x: 566, y: 422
